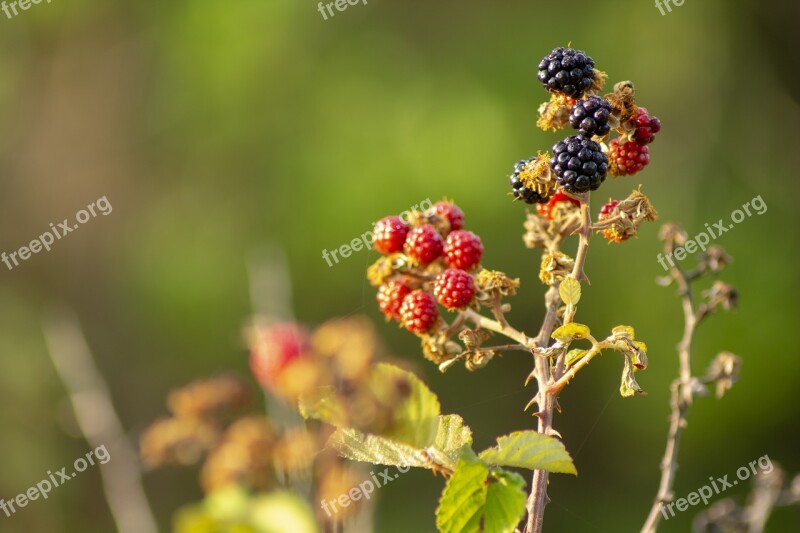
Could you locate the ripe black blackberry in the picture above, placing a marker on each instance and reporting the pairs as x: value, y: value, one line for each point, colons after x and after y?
x: 529, y: 196
x: 567, y: 71
x: 579, y: 164
x: 590, y: 116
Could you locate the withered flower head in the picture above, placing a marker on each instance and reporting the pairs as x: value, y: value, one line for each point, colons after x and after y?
x: 537, y: 176
x: 720, y: 296
x: 714, y: 260
x: 350, y: 342
x: 177, y: 441
x: 624, y: 220
x: 672, y: 234
x: 623, y: 101
x: 554, y: 114
x: 493, y: 283
x: 724, y: 371
x: 385, y: 267
x: 438, y: 348
x: 208, y: 397
x: 243, y: 457
x: 555, y: 267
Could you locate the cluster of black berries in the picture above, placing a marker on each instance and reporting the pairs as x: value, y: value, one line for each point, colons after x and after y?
x: 578, y: 163
x: 529, y: 196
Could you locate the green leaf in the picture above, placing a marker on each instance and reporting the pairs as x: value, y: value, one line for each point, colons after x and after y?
x: 417, y: 417
x: 357, y: 446
x: 477, y: 499
x: 624, y: 331
x: 570, y: 291
x: 505, y: 501
x: 452, y: 440
x: 629, y: 387
x: 531, y: 450
x: 323, y: 404
x: 569, y: 332
x: 573, y: 356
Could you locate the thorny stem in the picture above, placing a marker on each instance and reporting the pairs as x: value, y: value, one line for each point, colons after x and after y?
x: 547, y: 375
x: 680, y: 401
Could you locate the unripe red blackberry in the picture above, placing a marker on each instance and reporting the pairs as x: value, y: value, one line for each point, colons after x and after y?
x: 454, y: 288
x: 646, y: 127
x: 419, y: 312
x: 273, y: 348
x: 389, y: 235
x: 567, y: 71
x: 579, y: 164
x: 627, y: 159
x: 546, y: 210
x: 609, y: 232
x: 390, y: 297
x: 463, y: 249
x: 450, y: 211
x: 590, y: 116
x: 424, y: 244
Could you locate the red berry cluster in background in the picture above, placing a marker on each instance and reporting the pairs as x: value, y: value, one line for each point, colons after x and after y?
x: 440, y: 261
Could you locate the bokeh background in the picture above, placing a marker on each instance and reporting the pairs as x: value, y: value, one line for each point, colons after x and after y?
x: 220, y: 130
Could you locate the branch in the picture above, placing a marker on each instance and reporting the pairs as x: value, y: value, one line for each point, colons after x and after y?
x: 493, y: 325
x: 548, y: 399
x: 680, y: 401
x: 100, y: 424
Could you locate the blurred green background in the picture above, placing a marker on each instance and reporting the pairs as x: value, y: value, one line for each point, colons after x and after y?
x: 216, y: 129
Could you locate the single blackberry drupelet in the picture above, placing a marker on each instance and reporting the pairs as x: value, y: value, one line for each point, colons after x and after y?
x: 590, y: 116
x: 579, y: 164
x: 567, y: 71
x: 529, y: 196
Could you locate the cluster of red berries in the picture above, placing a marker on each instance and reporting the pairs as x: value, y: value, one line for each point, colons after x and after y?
x: 444, y: 257
x: 631, y: 156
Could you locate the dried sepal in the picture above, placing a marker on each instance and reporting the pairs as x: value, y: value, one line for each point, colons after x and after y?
x: 537, y: 175
x: 554, y: 114
x: 490, y: 285
x: 208, y: 397
x: 555, y: 267
x: 724, y: 371
x: 672, y: 235
x: 438, y: 349
x: 721, y: 296
x: 624, y: 220
x: 623, y: 103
